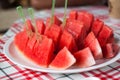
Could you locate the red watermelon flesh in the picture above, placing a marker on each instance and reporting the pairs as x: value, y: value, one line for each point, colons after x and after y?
x: 105, y: 35
x: 67, y: 41
x: 40, y: 26
x: 90, y: 37
x: 96, y: 49
x: 73, y: 14
x: 86, y: 18
x: 21, y: 40
x: 116, y: 48
x: 43, y: 52
x: 54, y: 33
x: 84, y: 58
x: 55, y: 19
x: 63, y: 60
x: 29, y: 25
x: 97, y: 26
x: 30, y: 46
x: 76, y: 28
x: 108, y: 51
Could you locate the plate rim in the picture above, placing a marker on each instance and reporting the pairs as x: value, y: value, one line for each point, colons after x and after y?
x: 7, y: 54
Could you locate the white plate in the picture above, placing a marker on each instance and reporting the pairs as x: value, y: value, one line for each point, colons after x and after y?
x: 13, y: 55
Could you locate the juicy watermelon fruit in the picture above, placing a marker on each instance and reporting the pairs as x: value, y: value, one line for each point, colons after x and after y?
x: 44, y: 52
x: 29, y: 25
x: 84, y: 58
x: 21, y: 40
x: 40, y: 26
x: 90, y: 37
x: 67, y: 41
x: 30, y: 46
x: 86, y: 18
x: 76, y: 28
x: 97, y: 27
x: 55, y: 19
x: 108, y: 51
x: 104, y: 35
x: 63, y: 60
x: 96, y: 49
x: 73, y: 15
x: 54, y: 33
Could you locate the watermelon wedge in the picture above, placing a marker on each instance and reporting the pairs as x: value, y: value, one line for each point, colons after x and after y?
x: 54, y: 32
x: 67, y: 41
x: 104, y: 35
x: 97, y: 27
x: 29, y: 25
x: 55, y: 19
x: 86, y: 18
x: 40, y: 26
x: 63, y: 60
x: 90, y: 37
x: 73, y: 15
x: 76, y: 28
x: 108, y: 51
x: 96, y: 49
x: 84, y: 58
x: 44, y: 52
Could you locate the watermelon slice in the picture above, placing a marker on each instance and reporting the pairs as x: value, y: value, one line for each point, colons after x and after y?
x: 73, y: 15
x: 76, y: 28
x: 21, y: 40
x: 63, y: 60
x: 40, y: 26
x: 54, y: 32
x: 44, y: 52
x: 105, y: 35
x: 90, y: 37
x: 30, y: 46
x: 96, y: 49
x: 29, y: 25
x: 67, y: 41
x: 86, y: 18
x: 55, y: 19
x: 108, y: 51
x: 97, y: 26
x: 84, y: 58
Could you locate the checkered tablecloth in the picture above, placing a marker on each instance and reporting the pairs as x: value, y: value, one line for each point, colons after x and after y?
x: 11, y: 71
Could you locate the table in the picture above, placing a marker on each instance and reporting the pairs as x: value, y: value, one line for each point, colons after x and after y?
x: 10, y: 71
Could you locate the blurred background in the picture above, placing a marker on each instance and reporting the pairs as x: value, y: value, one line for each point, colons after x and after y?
x: 8, y: 13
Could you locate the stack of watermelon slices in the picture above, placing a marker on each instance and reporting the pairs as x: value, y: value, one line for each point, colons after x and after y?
x: 82, y: 41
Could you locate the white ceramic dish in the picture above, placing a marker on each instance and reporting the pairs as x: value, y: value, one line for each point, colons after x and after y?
x: 13, y: 55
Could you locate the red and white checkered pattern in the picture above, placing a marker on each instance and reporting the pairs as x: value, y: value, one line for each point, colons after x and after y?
x: 10, y: 71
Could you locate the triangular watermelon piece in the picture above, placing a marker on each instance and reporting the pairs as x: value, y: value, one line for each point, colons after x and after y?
x: 73, y: 14
x: 84, y: 58
x: 54, y: 32
x: 90, y: 37
x: 104, y: 35
x: 55, y: 19
x: 29, y: 25
x: 96, y: 49
x: 76, y: 28
x: 30, y: 46
x: 97, y: 27
x: 67, y: 41
x: 40, y: 26
x: 108, y: 51
x: 86, y: 18
x: 43, y: 52
x: 63, y: 60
